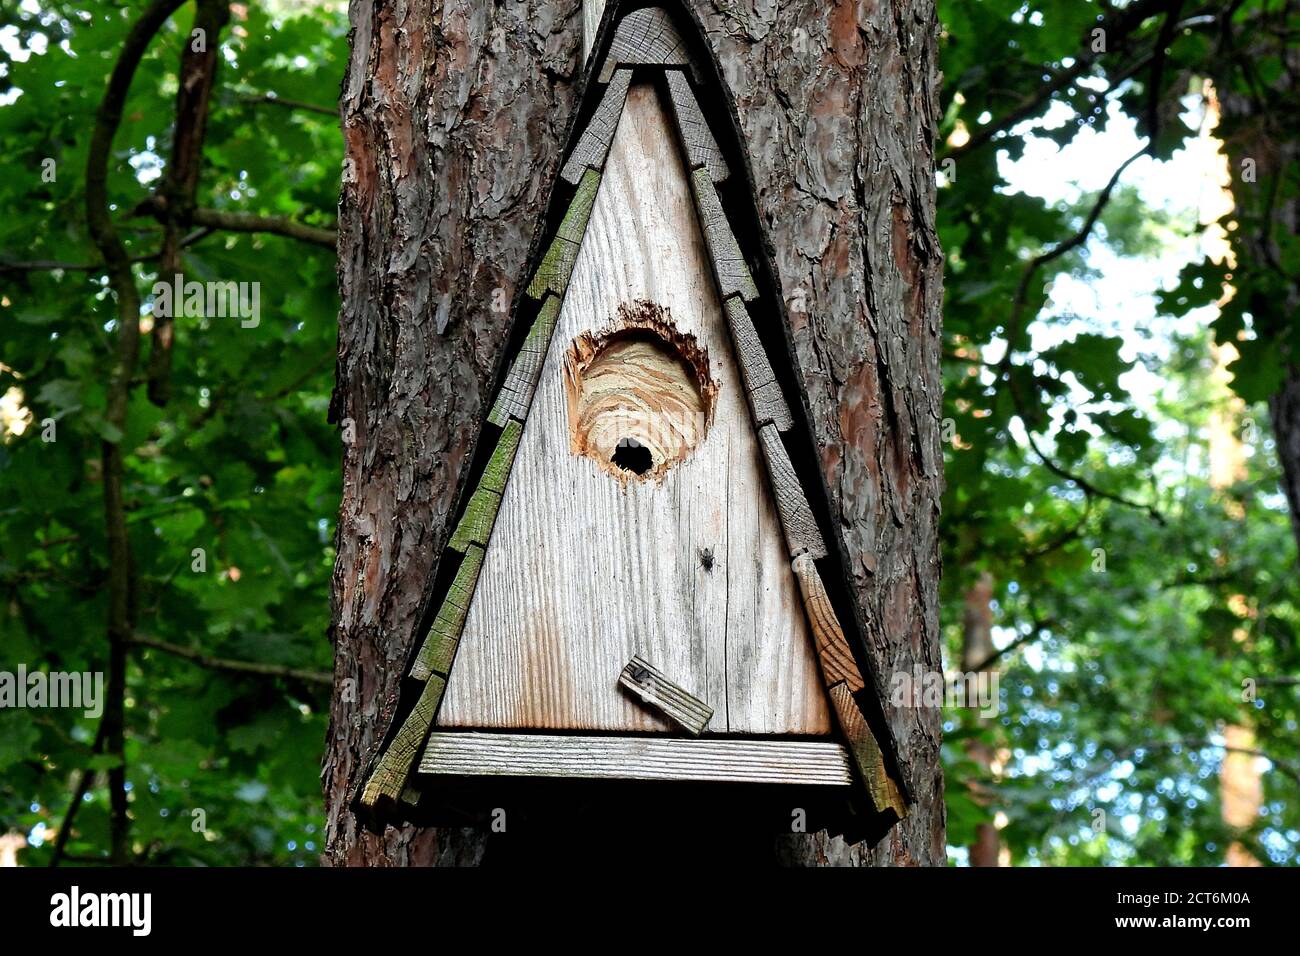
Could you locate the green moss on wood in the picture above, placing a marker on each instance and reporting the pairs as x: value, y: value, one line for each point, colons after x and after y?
x: 395, y: 765
x: 557, y: 265
x: 516, y: 395
x: 439, y: 647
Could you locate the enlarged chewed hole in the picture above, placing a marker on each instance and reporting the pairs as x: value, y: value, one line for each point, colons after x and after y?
x: 640, y: 395
x: 631, y: 455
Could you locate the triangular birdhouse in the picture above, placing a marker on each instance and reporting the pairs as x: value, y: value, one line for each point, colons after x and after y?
x: 644, y: 581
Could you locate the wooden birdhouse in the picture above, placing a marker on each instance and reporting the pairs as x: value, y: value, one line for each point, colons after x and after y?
x: 644, y: 582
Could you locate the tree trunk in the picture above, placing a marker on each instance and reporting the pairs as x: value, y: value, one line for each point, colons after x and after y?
x: 454, y: 115
x: 976, y: 648
x: 1258, y: 129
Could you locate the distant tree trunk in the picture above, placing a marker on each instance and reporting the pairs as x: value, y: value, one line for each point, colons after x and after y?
x: 977, y: 647
x: 1258, y: 125
x: 453, y: 116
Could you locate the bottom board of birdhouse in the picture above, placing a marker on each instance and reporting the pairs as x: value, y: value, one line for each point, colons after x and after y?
x: 709, y: 760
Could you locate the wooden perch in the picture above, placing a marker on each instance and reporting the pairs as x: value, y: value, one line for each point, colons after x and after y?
x: 728, y: 264
x: 556, y: 268
x: 702, y: 151
x: 475, y: 525
x: 801, y: 531
x: 765, y: 398
x: 593, y: 147
x: 439, y: 647
x: 398, y: 760
x: 654, y: 689
x: 516, y: 395
x: 647, y: 37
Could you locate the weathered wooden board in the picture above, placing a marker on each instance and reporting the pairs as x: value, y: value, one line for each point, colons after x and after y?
x: 801, y: 531
x: 765, y: 397
x: 838, y: 663
x: 733, y: 273
x: 593, y: 145
x: 701, y: 146
x: 475, y: 525
x: 638, y: 758
x: 553, y: 274
x: 647, y: 37
x: 439, y: 647
x: 516, y: 393
x: 866, y: 752
x: 653, y: 688
x: 582, y: 572
x: 399, y: 759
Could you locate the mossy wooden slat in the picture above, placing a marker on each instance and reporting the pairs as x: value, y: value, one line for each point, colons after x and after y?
x: 439, y: 647
x: 462, y: 753
x: 833, y: 650
x: 649, y: 684
x: 557, y: 266
x: 593, y: 146
x: 729, y: 265
x: 497, y: 472
x: 647, y: 37
x: 765, y: 397
x: 475, y: 525
x: 394, y: 767
x: 701, y: 147
x: 866, y: 753
x: 797, y: 521
x: 516, y: 395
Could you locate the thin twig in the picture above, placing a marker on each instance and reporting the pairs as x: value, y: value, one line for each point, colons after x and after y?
x: 255, y: 668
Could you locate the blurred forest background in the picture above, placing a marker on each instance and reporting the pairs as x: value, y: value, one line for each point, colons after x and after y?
x: 1118, y: 212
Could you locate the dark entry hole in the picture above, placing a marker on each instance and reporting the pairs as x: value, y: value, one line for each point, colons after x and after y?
x: 631, y: 455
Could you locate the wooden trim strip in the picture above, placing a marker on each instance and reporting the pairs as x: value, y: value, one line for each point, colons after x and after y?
x: 728, y: 264
x: 866, y: 752
x: 439, y: 647
x: 556, y: 268
x: 766, y: 400
x: 649, y: 684
x: 593, y: 146
x: 837, y: 661
x: 475, y: 525
x: 398, y: 760
x: 473, y: 754
x: 801, y: 531
x: 702, y: 151
x: 516, y: 395
x: 647, y: 37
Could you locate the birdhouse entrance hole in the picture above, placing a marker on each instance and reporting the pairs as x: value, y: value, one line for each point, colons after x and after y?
x: 640, y: 396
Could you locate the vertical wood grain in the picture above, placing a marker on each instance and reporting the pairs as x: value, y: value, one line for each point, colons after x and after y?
x: 583, y: 572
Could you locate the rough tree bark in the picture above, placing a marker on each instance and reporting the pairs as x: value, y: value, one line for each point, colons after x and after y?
x: 453, y: 116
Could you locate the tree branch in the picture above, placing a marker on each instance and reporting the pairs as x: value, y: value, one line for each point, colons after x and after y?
x: 227, y: 665
x: 1119, y: 29
x: 156, y: 206
x: 271, y: 99
x: 118, y: 266
x: 197, y: 77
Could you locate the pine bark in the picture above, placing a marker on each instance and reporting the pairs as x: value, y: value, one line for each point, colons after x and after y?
x: 454, y: 115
